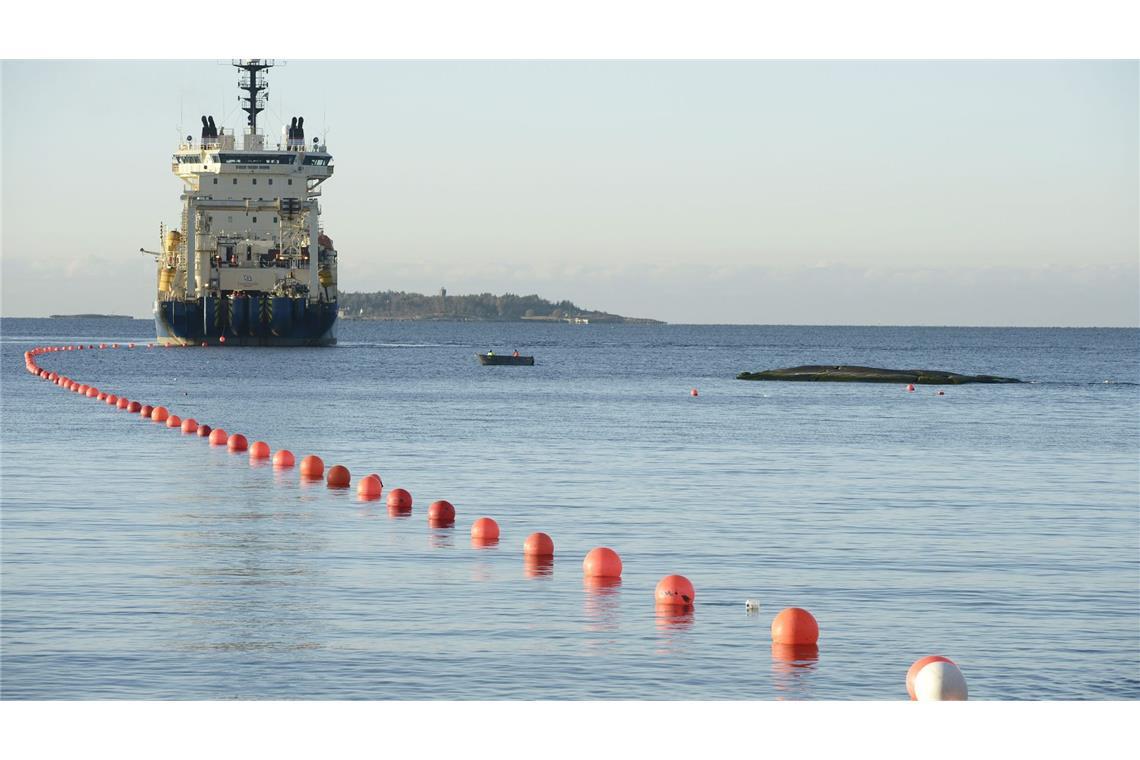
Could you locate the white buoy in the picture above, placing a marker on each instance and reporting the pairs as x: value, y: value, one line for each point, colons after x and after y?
x: 752, y: 605
x: 940, y: 682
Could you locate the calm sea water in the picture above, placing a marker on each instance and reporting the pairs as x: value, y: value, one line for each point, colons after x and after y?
x: 998, y: 525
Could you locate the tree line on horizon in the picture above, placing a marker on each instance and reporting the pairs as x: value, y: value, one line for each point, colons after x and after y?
x: 391, y: 304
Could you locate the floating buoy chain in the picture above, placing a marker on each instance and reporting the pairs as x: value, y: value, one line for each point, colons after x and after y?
x: 795, y: 631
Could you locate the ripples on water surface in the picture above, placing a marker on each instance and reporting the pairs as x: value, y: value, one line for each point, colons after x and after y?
x: 997, y: 524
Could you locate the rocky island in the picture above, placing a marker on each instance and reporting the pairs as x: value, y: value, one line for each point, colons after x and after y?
x: 840, y: 373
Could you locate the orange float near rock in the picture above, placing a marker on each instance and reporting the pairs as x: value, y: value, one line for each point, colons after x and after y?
x: 441, y: 513
x: 675, y: 591
x: 218, y: 437
x: 312, y: 467
x: 236, y: 442
x: 602, y: 562
x: 259, y: 450
x: 795, y: 626
x: 538, y: 545
x: 283, y: 458
x: 338, y: 477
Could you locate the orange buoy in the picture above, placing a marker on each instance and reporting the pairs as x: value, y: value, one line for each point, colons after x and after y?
x: 134, y: 407
x: 795, y: 626
x: 675, y: 590
x: 111, y: 399
x: 312, y: 467
x: 237, y: 442
x: 82, y: 388
x: 694, y: 393
x: 204, y: 431
x: 102, y: 396
x: 160, y: 414
x: 123, y: 403
x: 485, y: 529
x: 221, y: 339
x: 538, y: 545
x: 130, y: 345
x: 174, y: 421
x: 369, y: 488
x: 114, y: 345
x: 283, y: 458
x: 399, y: 499
x: 218, y: 437
x: 259, y: 450
x: 919, y: 665
x: 338, y: 477
x: 602, y: 562
x: 189, y: 425
x: 92, y: 392
x: 441, y: 513
x: 204, y: 344
x: 910, y: 387
x: 146, y: 411
x: 102, y: 345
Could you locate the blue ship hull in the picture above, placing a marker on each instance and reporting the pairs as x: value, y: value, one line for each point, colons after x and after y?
x: 256, y: 320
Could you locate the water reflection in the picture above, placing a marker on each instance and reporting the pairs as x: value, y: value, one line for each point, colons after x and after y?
x: 673, y: 622
x: 399, y: 513
x: 439, y: 538
x: 603, y: 596
x: 484, y: 543
x: 538, y: 567
x: 792, y: 669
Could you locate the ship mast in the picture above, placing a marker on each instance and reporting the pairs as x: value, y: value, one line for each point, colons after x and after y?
x: 253, y: 82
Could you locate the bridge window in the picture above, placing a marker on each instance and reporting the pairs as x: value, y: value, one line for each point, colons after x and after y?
x: 215, y: 180
x: 235, y: 180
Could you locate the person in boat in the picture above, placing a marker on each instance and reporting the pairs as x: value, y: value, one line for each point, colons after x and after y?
x: 516, y: 353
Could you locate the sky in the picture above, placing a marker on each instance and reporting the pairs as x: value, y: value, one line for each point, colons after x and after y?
x: 748, y: 192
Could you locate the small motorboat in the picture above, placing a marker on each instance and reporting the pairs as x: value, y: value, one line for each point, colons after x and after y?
x: 505, y: 360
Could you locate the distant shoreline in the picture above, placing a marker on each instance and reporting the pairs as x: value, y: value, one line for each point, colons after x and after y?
x: 91, y: 316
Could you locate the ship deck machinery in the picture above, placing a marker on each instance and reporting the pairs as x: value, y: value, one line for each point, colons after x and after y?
x: 250, y: 264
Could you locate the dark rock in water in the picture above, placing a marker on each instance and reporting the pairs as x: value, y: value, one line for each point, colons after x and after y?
x: 839, y: 373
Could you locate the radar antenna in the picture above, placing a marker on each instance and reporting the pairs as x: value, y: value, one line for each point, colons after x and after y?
x: 252, y: 81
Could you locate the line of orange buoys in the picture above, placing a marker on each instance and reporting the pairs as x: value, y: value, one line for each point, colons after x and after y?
x: 795, y: 631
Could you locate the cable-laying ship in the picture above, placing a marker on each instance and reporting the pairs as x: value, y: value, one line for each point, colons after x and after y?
x: 250, y: 264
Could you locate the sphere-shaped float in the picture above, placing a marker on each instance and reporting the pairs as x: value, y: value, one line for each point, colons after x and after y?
x: 369, y: 487
x: 123, y: 403
x: 940, y: 681
x: 441, y: 513
x: 160, y: 414
x: 338, y: 476
x: 538, y: 545
x: 259, y: 450
x: 674, y: 591
x: 174, y: 421
x: 92, y: 392
x: 111, y: 399
x: 189, y: 425
x: 399, y: 499
x: 485, y: 529
x: 919, y: 665
x: 218, y: 437
x: 283, y: 458
x: 237, y: 443
x: 134, y: 407
x: 795, y: 626
x: 312, y: 467
x: 204, y: 431
x: 602, y: 562
x: 694, y: 393
x: 146, y: 411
